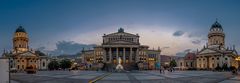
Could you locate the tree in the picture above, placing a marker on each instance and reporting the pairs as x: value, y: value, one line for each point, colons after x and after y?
x: 53, y: 65
x: 173, y: 63
x: 64, y: 64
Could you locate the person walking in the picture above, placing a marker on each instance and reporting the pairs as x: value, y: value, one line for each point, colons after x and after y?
x: 163, y: 69
x: 160, y: 70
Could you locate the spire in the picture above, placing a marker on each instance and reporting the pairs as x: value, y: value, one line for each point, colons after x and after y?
x: 4, y: 51
x: 159, y: 48
x: 233, y: 47
x: 83, y: 49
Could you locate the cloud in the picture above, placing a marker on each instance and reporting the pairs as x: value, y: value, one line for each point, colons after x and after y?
x: 67, y: 47
x: 196, y: 42
x: 194, y: 35
x: 183, y: 53
x: 178, y: 33
x: 166, y: 47
x: 42, y: 48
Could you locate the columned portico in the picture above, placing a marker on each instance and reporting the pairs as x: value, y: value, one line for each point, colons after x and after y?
x: 125, y: 53
x: 119, y: 45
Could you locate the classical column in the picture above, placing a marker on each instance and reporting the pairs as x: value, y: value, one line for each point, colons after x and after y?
x: 110, y: 54
x: 117, y: 54
x: 207, y: 62
x: 137, y: 55
x: 124, y: 55
x: 130, y: 55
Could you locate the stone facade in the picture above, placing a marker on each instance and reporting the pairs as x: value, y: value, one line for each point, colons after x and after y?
x: 215, y: 53
x: 123, y: 45
x: 187, y: 62
x: 22, y: 57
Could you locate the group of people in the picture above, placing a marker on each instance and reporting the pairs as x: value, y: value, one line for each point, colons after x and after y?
x: 162, y: 69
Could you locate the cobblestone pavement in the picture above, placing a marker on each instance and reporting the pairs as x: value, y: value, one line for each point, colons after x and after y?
x: 127, y: 77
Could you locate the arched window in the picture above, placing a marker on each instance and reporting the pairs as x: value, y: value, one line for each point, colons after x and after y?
x: 43, y: 64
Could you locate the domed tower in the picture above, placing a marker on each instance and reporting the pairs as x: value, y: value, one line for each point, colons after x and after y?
x: 216, y: 35
x: 20, y: 40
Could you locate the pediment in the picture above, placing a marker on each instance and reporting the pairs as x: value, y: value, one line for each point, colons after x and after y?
x: 122, y: 34
x: 204, y: 51
x: 27, y: 54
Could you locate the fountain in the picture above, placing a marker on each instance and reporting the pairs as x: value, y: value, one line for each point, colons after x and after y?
x: 119, y: 67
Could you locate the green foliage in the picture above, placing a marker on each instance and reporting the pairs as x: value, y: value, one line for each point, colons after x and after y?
x: 53, y: 65
x: 64, y: 64
x: 173, y: 63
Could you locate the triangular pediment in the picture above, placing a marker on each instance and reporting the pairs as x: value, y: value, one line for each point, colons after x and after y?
x: 27, y: 54
x: 121, y: 34
x: 204, y: 51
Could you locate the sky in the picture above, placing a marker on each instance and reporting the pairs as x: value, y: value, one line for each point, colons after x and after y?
x: 66, y: 26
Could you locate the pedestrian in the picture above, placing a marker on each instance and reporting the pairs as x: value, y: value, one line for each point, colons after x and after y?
x: 163, y: 69
x: 160, y: 70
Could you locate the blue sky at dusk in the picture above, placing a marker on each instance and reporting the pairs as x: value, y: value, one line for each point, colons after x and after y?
x: 176, y: 26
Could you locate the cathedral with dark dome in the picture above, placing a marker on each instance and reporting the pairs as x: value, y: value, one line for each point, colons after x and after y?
x: 20, y: 40
x: 22, y: 56
x: 215, y: 53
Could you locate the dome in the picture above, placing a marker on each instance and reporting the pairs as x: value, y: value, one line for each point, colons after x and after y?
x: 120, y: 30
x: 216, y: 27
x: 20, y: 29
